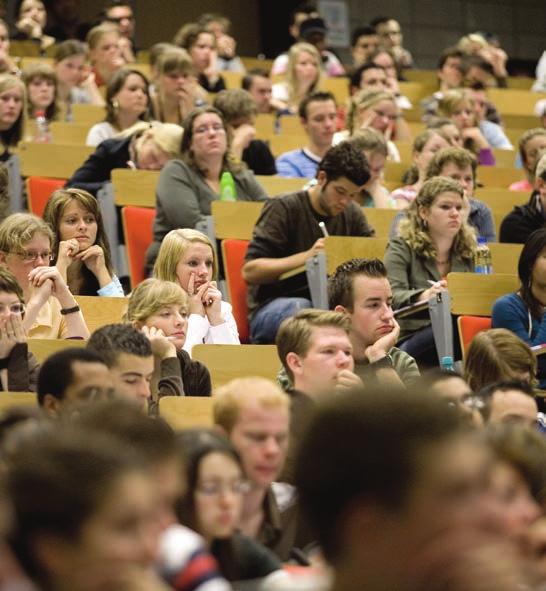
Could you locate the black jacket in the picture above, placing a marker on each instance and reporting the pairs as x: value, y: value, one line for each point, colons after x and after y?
x: 521, y: 222
x: 97, y: 169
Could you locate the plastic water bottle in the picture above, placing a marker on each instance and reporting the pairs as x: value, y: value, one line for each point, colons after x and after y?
x: 227, y: 187
x: 446, y: 364
x: 482, y: 259
x: 42, y: 128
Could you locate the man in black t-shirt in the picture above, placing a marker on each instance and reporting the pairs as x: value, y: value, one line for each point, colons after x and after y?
x: 287, y: 233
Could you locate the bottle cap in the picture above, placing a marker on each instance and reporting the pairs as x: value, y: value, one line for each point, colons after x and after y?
x: 40, y: 113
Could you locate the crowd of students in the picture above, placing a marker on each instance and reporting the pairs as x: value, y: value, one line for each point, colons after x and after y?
x: 363, y: 462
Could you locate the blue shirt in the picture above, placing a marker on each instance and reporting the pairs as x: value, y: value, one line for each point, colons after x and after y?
x: 510, y: 312
x: 298, y: 163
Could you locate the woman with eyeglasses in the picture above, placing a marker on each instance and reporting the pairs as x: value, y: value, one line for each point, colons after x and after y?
x: 187, y: 187
x: 213, y: 503
x: 81, y: 250
x: 51, y: 310
x: 18, y: 367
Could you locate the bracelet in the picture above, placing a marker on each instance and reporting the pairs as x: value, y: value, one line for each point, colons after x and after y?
x: 73, y: 310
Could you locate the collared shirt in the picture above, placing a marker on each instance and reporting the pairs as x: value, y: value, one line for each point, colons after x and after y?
x: 49, y: 324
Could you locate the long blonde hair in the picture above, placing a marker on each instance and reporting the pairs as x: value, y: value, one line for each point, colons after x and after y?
x: 174, y: 247
x: 291, y: 78
x: 414, y: 229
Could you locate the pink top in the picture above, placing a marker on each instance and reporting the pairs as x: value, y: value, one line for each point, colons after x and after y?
x: 407, y: 194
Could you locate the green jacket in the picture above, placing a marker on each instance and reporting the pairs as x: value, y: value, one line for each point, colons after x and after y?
x: 409, y: 275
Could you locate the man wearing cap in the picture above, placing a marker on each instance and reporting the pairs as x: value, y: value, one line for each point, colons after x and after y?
x: 313, y: 31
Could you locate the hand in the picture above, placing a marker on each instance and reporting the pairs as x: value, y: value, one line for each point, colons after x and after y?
x: 243, y: 135
x: 384, y: 344
x: 67, y: 251
x: 474, y: 134
x: 433, y: 290
x: 11, y: 333
x: 196, y: 296
x: 93, y: 259
x: 347, y: 380
x: 211, y: 71
x: 317, y: 247
x: 87, y: 79
x: 41, y: 276
x: 126, y: 50
x: 40, y: 290
x: 162, y: 347
x: 212, y: 302
x: 367, y: 117
x: 226, y: 46
x: 30, y: 27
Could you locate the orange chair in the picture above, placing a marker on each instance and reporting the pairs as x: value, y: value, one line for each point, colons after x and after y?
x: 233, y: 253
x: 39, y: 189
x: 137, y: 227
x: 469, y: 327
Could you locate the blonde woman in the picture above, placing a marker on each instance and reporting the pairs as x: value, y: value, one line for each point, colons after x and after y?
x: 374, y: 109
x: 104, y: 52
x: 12, y: 113
x: 25, y: 250
x: 187, y: 258
x: 303, y: 76
x: 160, y: 310
x: 459, y: 106
x: 144, y: 146
x: 432, y: 241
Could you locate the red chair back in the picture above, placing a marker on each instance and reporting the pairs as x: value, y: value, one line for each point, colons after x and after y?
x: 469, y: 327
x: 39, y: 189
x: 233, y: 253
x: 138, y: 228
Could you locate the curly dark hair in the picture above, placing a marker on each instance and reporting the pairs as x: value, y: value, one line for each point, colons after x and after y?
x: 344, y: 160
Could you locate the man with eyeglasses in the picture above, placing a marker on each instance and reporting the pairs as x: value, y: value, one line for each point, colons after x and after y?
x: 71, y: 376
x: 120, y: 13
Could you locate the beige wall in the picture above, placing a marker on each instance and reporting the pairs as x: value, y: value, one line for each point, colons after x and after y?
x: 158, y: 20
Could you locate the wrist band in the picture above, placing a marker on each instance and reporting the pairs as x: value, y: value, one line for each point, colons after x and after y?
x: 73, y: 310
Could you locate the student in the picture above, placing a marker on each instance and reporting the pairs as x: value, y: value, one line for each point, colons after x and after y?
x: 176, y: 90
x: 364, y: 43
x: 509, y: 402
x: 522, y: 312
x: 258, y: 84
x: 201, y: 47
x: 287, y: 233
x: 104, y: 52
x: 188, y: 258
x: 409, y: 504
x: 120, y: 14
x: 317, y: 113
x: 18, y: 367
x: 129, y: 354
x: 360, y: 289
x: 498, y: 355
x: 254, y: 414
x: 127, y: 102
x: 12, y: 113
x: 76, y: 83
x: 239, y: 111
x: 163, y: 306
x: 25, y: 250
x: 433, y: 241
x: 31, y: 23
x: 81, y: 251
x: 93, y: 524
x: 213, y: 504
x: 302, y: 77
x: 531, y: 145
x: 72, y: 376
x: 42, y: 92
x: 186, y: 187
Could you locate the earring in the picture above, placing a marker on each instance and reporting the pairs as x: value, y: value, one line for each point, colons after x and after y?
x: 115, y: 104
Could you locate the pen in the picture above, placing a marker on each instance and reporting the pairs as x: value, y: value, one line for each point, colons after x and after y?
x: 324, y: 231
x: 433, y: 283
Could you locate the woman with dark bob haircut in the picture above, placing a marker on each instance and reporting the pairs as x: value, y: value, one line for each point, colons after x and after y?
x: 187, y: 187
x: 522, y: 312
x: 213, y: 502
x: 81, y: 250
